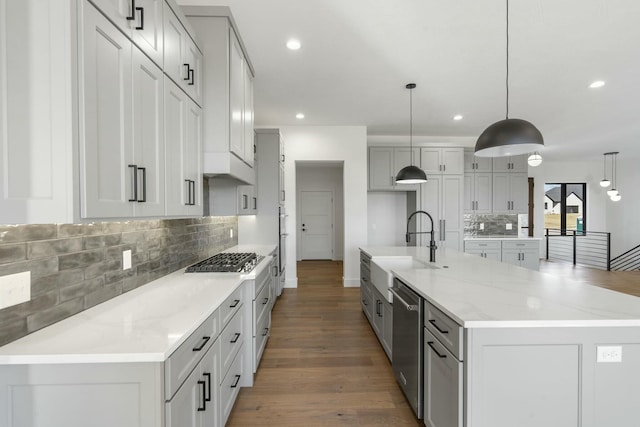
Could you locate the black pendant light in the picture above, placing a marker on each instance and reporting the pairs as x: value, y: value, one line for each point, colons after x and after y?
x: 411, y: 174
x: 508, y: 137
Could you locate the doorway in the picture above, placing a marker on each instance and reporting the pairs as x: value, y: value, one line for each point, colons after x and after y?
x: 316, y: 228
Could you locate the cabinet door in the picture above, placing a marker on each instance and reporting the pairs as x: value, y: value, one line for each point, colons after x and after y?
x: 530, y: 258
x: 210, y: 370
x: 403, y: 157
x: 483, y: 164
x: 451, y: 213
x: 431, y: 161
x: 430, y: 202
x: 519, y: 163
x: 494, y: 254
x: 381, y: 163
x: 186, y: 406
x: 469, y: 193
x: 177, y: 188
x: 452, y: 161
x: 377, y: 314
x: 512, y: 256
x: 502, y: 164
x: 146, y: 29
x: 236, y: 96
x: 387, y: 328
x: 482, y: 192
x: 501, y: 195
x: 148, y: 135
x: 106, y: 147
x: 175, y: 43
x: 519, y: 191
x: 193, y: 82
x: 118, y: 12
x: 443, y: 387
x: 192, y: 157
x: 248, y: 116
x: 281, y: 191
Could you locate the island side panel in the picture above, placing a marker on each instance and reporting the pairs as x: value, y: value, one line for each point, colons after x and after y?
x: 97, y: 395
x: 551, y: 376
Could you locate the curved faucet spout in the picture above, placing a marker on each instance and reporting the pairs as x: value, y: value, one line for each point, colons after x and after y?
x: 432, y: 242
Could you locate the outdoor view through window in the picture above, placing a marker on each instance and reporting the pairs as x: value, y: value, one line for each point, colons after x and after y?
x: 565, y: 206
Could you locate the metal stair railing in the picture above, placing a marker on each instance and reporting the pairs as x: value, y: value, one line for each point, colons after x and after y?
x: 627, y: 261
x: 589, y: 248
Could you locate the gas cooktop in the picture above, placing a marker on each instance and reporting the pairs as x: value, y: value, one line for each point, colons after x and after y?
x: 227, y: 262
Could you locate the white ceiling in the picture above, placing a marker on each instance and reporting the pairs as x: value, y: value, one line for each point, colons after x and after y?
x: 357, y: 56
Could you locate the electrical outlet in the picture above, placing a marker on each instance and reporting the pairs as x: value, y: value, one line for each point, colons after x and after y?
x: 126, y: 259
x: 482, y: 226
x: 15, y: 289
x: 231, y: 233
x: 609, y: 354
x: 509, y: 226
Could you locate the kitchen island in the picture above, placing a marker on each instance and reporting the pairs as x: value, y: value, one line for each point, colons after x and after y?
x: 506, y: 346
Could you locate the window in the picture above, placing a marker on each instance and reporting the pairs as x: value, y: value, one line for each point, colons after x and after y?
x: 569, y: 206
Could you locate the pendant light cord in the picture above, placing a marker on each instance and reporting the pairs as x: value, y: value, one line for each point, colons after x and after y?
x: 411, y: 125
x: 507, y: 76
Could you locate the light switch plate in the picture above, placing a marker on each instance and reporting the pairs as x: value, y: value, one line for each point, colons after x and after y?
x: 509, y: 226
x: 126, y: 259
x: 609, y: 354
x: 15, y: 289
x: 231, y: 233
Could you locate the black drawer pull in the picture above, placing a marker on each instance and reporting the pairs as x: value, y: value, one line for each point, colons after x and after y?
x: 191, y: 76
x: 141, y: 10
x: 266, y: 332
x: 188, y: 71
x: 205, y: 340
x: 235, y: 303
x: 132, y: 14
x: 441, y: 356
x: 433, y: 322
x: 236, y: 337
x: 135, y: 183
x: 265, y: 301
x: 207, y: 397
x: 234, y: 385
x: 144, y: 185
x: 204, y: 402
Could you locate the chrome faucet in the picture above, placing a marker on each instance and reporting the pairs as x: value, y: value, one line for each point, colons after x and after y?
x: 432, y: 242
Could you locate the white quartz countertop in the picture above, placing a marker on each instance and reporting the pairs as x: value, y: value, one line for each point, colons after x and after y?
x: 481, y: 293
x: 144, y: 325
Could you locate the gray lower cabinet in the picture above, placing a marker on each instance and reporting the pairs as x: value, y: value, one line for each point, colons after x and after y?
x: 377, y: 308
x: 443, y: 385
x: 520, y: 252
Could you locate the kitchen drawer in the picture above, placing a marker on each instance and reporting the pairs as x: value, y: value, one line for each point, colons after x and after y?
x: 182, y: 361
x: 260, y: 338
x: 231, y: 305
x: 262, y: 279
x: 481, y: 244
x: 261, y: 305
x: 520, y: 244
x: 231, y: 340
x: 365, y: 259
x: 448, y: 332
x: 230, y: 386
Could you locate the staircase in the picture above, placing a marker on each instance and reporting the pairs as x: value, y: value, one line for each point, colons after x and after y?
x: 630, y: 260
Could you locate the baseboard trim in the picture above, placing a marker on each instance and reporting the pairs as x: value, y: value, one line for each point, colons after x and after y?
x: 350, y: 283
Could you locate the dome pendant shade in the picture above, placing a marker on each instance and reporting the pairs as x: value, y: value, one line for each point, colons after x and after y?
x: 411, y: 175
x: 509, y: 137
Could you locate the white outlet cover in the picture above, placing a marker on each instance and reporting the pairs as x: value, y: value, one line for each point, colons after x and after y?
x: 509, y: 226
x: 126, y: 259
x: 231, y: 233
x: 482, y: 226
x: 609, y: 354
x: 15, y: 289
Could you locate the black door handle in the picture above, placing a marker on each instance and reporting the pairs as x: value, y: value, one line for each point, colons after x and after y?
x: 144, y: 185
x: 135, y: 183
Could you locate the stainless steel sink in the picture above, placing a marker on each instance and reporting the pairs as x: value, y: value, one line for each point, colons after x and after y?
x: 381, y: 267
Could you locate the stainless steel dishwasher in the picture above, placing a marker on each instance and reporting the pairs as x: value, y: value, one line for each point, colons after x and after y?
x: 407, y: 343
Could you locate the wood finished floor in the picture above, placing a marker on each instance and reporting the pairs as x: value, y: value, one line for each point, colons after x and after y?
x: 323, y: 365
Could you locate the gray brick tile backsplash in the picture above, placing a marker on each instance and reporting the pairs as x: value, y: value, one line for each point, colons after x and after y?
x: 76, y: 266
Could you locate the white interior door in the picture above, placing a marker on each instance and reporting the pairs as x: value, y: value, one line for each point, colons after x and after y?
x: 316, y: 225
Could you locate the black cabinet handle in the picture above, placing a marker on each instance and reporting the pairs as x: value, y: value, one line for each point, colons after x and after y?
x: 192, y: 194
x: 135, y: 183
x: 245, y: 201
x: 433, y: 322
x: 204, y: 402
x: 132, y: 14
x: 365, y: 302
x: 441, y: 356
x: 207, y: 397
x: 236, y: 337
x: 188, y: 71
x: 255, y: 203
x: 188, y: 201
x: 191, y: 77
x: 266, y: 332
x: 205, y: 340
x: 235, y: 303
x: 234, y: 385
x: 265, y: 301
x: 141, y: 10
x: 144, y: 185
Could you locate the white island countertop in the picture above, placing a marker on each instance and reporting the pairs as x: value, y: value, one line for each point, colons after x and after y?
x: 146, y: 324
x: 482, y: 293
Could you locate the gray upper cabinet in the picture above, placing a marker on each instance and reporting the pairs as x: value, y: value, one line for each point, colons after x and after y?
x: 510, y: 164
x: 386, y: 162
x: 448, y: 161
x: 475, y: 164
x: 510, y: 193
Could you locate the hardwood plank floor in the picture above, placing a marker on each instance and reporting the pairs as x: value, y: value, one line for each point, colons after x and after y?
x: 627, y: 282
x: 323, y: 365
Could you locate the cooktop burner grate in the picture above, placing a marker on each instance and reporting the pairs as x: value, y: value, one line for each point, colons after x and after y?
x: 226, y: 262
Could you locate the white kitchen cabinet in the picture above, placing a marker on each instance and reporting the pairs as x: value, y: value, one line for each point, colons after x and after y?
x: 512, y: 164
x: 227, y: 94
x: 183, y: 147
x: 247, y: 200
x: 140, y: 20
x: 522, y: 253
x: 38, y: 126
x: 510, y: 193
x: 183, y: 61
x: 384, y: 165
x: 382, y: 321
x: 478, y: 193
x: 448, y: 161
x: 442, y: 197
x: 473, y: 163
x: 227, y: 197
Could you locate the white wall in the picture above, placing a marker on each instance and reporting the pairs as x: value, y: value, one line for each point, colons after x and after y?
x: 623, y: 219
x: 318, y: 176
x: 346, y: 144
x: 387, y: 218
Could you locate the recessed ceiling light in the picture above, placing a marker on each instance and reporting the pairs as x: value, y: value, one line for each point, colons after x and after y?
x: 299, y: 116
x: 596, y: 84
x: 457, y: 117
x: 293, y: 44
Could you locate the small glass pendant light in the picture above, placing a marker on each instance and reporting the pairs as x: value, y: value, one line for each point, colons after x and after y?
x: 605, y: 182
x: 535, y: 160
